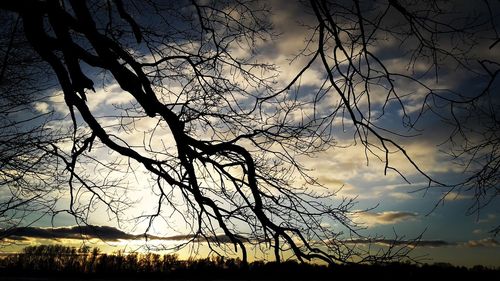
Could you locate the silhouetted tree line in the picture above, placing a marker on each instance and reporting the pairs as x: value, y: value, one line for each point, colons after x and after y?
x: 57, y: 261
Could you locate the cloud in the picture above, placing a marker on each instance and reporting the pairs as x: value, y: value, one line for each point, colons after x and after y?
x: 198, y: 238
x: 481, y: 243
x: 111, y: 234
x: 411, y: 243
x: 489, y: 218
x: 104, y: 233
x: 455, y: 196
x: 486, y: 243
x: 370, y: 219
x: 400, y: 195
x: 41, y: 107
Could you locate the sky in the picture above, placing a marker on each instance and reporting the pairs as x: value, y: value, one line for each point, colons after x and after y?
x: 396, y: 209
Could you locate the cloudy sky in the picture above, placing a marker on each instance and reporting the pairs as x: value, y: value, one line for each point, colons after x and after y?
x: 396, y: 209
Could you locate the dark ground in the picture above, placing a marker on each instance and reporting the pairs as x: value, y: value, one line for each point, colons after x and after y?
x: 270, y: 271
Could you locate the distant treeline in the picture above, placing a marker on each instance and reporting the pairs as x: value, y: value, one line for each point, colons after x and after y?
x: 57, y: 261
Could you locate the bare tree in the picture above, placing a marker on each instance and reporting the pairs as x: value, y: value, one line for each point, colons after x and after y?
x: 475, y: 146
x: 28, y: 174
x: 221, y: 144
x: 223, y: 185
x: 433, y: 38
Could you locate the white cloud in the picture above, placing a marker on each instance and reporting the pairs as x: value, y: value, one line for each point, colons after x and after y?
x: 477, y: 231
x: 58, y: 103
x: 456, y: 196
x: 487, y: 243
x: 41, y: 107
x: 489, y: 218
x: 118, y: 96
x: 400, y: 196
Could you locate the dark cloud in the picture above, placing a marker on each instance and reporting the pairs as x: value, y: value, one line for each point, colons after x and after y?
x: 108, y: 233
x: 388, y: 217
x: 484, y: 243
x: 394, y: 216
x: 199, y: 238
x: 105, y: 233
x: 411, y: 243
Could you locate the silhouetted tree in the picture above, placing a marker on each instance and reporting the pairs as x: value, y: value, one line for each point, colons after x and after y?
x: 29, y: 177
x: 221, y: 144
x: 434, y: 38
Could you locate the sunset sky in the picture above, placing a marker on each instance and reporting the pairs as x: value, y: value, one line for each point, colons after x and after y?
x: 449, y: 231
